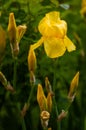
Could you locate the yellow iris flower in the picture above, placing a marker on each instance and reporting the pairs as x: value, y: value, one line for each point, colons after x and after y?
x: 54, y: 37
x: 83, y: 8
x: 2, y: 42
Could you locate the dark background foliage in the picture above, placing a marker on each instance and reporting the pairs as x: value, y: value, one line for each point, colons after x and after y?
x: 30, y: 12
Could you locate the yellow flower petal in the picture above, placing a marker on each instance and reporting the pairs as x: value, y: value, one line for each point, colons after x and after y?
x: 62, y: 27
x: 83, y: 3
x: 51, y: 25
x: 83, y: 11
x: 54, y: 47
x: 69, y: 44
x: 53, y: 16
x: 36, y: 45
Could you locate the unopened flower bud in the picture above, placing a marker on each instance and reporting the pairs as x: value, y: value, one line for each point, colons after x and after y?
x: 73, y: 86
x: 12, y: 32
x: 42, y: 101
x: 49, y: 102
x: 31, y: 60
x: 15, y: 34
x: 48, y: 85
x: 21, y: 29
x: 12, y: 28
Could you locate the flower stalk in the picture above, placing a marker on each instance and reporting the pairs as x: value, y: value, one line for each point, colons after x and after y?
x: 15, y: 72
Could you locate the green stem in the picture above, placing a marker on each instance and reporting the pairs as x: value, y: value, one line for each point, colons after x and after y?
x: 14, y: 85
x: 30, y: 96
x: 55, y: 114
x: 54, y: 101
x: 15, y: 73
x: 54, y: 74
x: 85, y: 123
x: 28, y: 104
x: 23, y: 124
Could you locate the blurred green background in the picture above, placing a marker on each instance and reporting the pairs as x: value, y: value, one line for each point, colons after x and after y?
x: 30, y: 12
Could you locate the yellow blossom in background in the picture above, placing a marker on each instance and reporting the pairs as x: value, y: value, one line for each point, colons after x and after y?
x: 44, y: 103
x: 83, y: 3
x: 2, y: 42
x: 15, y: 34
x: 54, y: 37
x: 49, y: 128
x: 83, y: 8
x: 73, y: 86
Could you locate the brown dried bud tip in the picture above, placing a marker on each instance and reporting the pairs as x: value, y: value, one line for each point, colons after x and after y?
x: 5, y: 83
x: 62, y: 115
x: 10, y: 88
x: 3, y: 79
x: 45, y: 115
x: 24, y: 110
